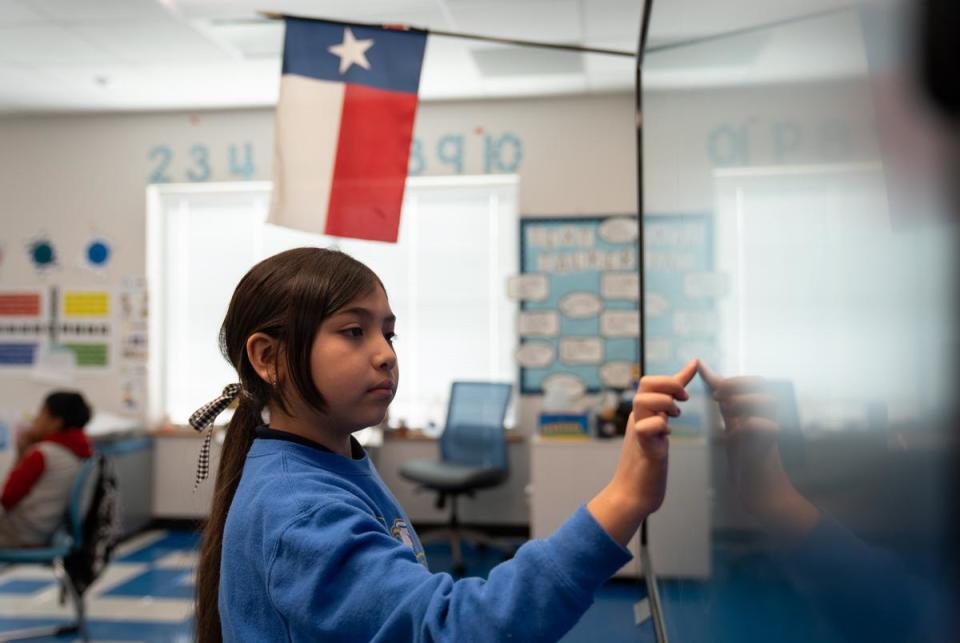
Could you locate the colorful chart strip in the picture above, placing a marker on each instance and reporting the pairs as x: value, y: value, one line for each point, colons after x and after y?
x: 86, y: 304
x: 17, y: 354
x: 22, y: 304
x: 89, y: 354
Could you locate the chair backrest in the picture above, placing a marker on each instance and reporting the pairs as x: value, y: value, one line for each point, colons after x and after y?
x: 473, y: 433
x: 81, y: 495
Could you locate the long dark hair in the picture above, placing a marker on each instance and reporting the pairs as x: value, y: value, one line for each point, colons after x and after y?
x: 286, y: 296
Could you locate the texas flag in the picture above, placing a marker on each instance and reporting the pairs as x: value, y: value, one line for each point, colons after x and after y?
x: 344, y: 122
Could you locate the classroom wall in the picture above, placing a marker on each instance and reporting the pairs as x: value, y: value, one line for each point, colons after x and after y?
x: 73, y: 176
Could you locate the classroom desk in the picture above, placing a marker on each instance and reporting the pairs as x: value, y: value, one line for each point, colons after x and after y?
x: 565, y: 474
x: 175, y: 452
x: 132, y: 458
x: 562, y: 475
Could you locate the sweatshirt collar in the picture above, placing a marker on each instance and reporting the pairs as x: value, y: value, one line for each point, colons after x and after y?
x: 270, y: 440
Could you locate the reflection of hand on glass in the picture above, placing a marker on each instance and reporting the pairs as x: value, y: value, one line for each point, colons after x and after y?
x: 748, y: 406
x: 863, y: 590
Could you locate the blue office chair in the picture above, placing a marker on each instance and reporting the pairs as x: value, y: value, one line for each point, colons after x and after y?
x: 67, y: 540
x: 473, y: 456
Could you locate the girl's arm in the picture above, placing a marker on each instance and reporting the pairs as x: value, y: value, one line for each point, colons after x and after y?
x: 337, y: 574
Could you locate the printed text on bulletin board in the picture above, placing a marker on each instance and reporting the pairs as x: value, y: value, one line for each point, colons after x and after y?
x: 578, y: 321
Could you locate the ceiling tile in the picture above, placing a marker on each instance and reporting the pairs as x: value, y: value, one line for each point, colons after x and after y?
x: 13, y: 12
x: 152, y: 41
x: 47, y: 44
x: 98, y: 10
x: 494, y: 62
x: 557, y: 22
x: 606, y: 20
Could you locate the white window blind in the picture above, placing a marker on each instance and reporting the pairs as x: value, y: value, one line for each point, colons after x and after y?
x: 446, y: 280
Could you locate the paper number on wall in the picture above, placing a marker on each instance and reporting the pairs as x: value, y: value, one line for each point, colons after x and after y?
x: 201, y: 161
x: 164, y: 155
x: 239, y: 163
x: 242, y: 167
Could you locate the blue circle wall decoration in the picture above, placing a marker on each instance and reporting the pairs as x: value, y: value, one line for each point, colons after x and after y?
x: 42, y: 253
x: 98, y: 252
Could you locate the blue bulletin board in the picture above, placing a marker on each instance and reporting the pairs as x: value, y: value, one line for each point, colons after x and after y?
x: 680, y: 292
x: 583, y: 323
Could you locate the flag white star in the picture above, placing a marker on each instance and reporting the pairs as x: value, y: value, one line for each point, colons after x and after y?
x: 351, y: 51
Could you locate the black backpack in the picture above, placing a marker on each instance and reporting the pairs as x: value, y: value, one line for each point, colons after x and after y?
x: 101, y: 530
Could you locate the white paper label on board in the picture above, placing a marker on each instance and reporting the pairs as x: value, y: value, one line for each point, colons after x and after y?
x: 563, y: 236
x: 657, y: 349
x: 535, y: 354
x: 706, y: 285
x: 620, y: 323
x: 694, y: 322
x: 617, y: 374
x: 568, y: 384
x: 620, y: 285
x: 655, y: 304
x: 581, y: 305
x: 544, y: 323
x: 532, y: 287
x: 619, y: 230
x: 581, y: 350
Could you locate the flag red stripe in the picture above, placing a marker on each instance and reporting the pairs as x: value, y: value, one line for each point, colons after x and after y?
x: 376, y: 127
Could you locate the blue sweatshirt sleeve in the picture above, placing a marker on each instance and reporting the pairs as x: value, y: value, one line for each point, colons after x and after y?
x: 336, y: 574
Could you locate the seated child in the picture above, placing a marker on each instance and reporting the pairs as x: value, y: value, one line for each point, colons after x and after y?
x: 50, y: 454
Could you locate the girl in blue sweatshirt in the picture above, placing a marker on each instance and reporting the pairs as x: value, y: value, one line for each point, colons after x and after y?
x: 304, y: 541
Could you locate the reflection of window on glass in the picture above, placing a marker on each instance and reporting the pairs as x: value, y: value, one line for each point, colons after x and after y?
x: 445, y: 277
x: 828, y: 292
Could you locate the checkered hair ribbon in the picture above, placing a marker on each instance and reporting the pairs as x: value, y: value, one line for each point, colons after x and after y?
x: 202, y: 419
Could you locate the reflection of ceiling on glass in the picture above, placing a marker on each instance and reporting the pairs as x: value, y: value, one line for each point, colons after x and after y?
x: 165, y: 54
x: 825, y: 45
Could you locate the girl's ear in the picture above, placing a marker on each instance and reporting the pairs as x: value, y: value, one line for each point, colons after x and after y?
x: 263, y: 352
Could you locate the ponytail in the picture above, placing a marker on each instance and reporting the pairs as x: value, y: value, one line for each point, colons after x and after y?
x: 239, y: 438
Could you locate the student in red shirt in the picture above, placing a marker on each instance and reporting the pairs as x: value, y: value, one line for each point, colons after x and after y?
x: 49, y: 456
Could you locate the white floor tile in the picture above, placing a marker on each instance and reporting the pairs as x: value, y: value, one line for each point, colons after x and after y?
x: 178, y: 560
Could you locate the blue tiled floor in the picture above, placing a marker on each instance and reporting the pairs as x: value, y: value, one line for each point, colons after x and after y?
x: 159, y: 583
x: 744, y: 602
x: 101, y: 630
x: 748, y: 611
x: 172, y: 542
x: 25, y: 586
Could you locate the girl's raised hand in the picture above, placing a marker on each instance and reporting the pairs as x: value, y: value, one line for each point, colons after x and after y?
x: 639, y: 484
x: 653, y: 405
